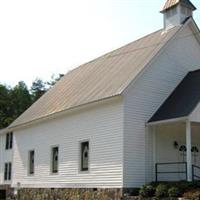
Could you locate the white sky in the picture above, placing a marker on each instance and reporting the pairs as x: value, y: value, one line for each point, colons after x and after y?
x: 39, y: 38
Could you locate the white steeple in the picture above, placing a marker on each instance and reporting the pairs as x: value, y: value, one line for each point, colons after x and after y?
x: 175, y: 12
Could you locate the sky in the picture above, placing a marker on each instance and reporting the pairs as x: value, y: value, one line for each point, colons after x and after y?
x: 39, y: 38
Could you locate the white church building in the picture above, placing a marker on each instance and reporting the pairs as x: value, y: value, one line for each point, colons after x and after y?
x: 129, y: 117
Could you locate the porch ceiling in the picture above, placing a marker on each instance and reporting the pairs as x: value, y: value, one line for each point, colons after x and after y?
x: 183, y: 100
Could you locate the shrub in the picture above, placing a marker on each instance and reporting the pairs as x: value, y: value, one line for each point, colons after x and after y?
x: 184, y: 185
x: 162, y: 190
x: 174, y: 192
x: 135, y: 192
x: 195, y: 184
x: 192, y: 195
x: 147, y: 191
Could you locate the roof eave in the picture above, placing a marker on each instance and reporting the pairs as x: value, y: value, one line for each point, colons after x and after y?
x: 61, y: 113
x: 190, y: 6
x: 167, y: 121
x: 2, y: 131
x: 165, y: 9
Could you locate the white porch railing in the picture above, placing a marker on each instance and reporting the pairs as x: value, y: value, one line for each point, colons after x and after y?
x: 159, y: 170
x: 195, y: 172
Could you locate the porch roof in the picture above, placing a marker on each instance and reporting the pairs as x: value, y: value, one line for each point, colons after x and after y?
x: 182, y: 101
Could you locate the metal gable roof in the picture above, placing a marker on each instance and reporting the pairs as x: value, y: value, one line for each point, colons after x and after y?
x: 182, y: 101
x: 172, y: 3
x: 104, y: 77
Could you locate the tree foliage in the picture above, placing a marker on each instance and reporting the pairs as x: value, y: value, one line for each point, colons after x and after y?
x: 5, y: 106
x: 20, y: 99
x: 54, y: 79
x: 14, y: 101
x: 38, y: 89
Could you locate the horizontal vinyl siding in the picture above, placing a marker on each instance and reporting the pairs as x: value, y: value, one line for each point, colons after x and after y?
x: 144, y: 97
x: 195, y: 115
x: 102, y: 125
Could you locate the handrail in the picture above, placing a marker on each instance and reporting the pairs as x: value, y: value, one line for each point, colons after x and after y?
x: 195, y: 166
x: 170, y: 172
x: 195, y: 176
x: 171, y: 163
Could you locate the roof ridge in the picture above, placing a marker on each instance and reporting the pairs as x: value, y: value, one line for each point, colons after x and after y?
x: 137, y: 40
x: 107, y: 55
x: 95, y: 81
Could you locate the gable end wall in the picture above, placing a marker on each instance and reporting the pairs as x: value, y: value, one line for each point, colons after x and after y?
x: 145, y: 96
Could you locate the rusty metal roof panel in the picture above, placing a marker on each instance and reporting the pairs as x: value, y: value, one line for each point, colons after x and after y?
x: 101, y: 78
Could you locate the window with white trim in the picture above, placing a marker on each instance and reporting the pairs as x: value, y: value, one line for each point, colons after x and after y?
x: 54, y: 159
x: 7, y: 171
x: 84, y: 156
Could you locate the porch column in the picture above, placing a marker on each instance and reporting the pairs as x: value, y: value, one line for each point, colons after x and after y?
x: 189, y: 153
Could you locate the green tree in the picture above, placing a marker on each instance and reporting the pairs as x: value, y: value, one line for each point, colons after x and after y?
x: 5, y: 106
x: 20, y: 99
x: 38, y: 88
x: 54, y: 79
x: 14, y: 101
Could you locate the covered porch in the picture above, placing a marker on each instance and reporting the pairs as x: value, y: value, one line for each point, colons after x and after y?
x: 175, y: 129
x: 176, y: 151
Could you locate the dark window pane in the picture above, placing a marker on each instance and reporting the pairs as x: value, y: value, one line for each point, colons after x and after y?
x: 9, y: 171
x: 7, y: 140
x: 11, y: 140
x: 55, y: 159
x: 84, y: 156
x: 5, y: 171
x: 31, y: 162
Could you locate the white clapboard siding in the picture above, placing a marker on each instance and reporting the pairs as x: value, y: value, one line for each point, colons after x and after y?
x: 102, y: 125
x: 195, y: 115
x: 144, y: 97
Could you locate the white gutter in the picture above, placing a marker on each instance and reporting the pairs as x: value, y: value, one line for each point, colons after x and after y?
x: 64, y: 112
